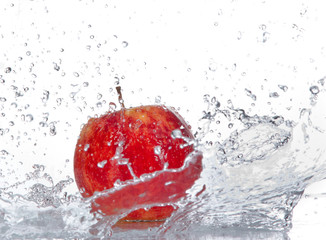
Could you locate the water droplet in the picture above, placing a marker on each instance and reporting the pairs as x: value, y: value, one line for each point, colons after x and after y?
x: 59, y: 101
x: 28, y: 53
x: 99, y: 96
x: 230, y: 125
x: 250, y: 94
x: 176, y: 134
x: 158, y: 99
x: 102, y: 164
x: 266, y: 36
x: 125, y: 44
x: 76, y: 74
x: 262, y: 27
x: 212, y: 66
x: 314, y: 90
x: 322, y: 81
x: 284, y: 88
x: 112, y: 106
x: 3, y: 99
x: 52, y: 129
x: 157, y: 150
x: 46, y: 95
x: 4, y: 152
x: 206, y: 98
x: 85, y: 84
x: 56, y: 67
x: 86, y: 147
x: 99, y: 105
x: 91, y: 36
x: 239, y: 36
x: 29, y: 118
x: 73, y: 94
x: 274, y: 95
x: 8, y: 70
x: 11, y: 123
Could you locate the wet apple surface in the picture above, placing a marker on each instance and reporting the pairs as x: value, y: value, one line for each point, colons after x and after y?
x: 123, y: 146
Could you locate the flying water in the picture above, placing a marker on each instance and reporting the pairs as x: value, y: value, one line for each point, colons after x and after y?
x: 252, y: 179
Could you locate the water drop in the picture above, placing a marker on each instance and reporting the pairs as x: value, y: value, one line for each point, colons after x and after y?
x: 76, y: 74
x: 322, y: 81
x: 99, y: 96
x: 52, y: 129
x: 250, y: 94
x: 176, y: 134
x: 99, y: 105
x: 2, y: 99
x: 314, y: 90
x: 262, y: 27
x: 46, y: 95
x: 85, y: 84
x: 29, y: 118
x: 28, y: 53
x: 284, y: 88
x: 230, y: 125
x: 59, y: 101
x: 56, y: 67
x: 102, y: 164
x: 274, y: 95
x: 157, y: 150
x: 212, y: 66
x: 158, y: 99
x: 112, y: 106
x: 206, y: 98
x: 8, y: 70
x: 4, y: 152
x: 125, y: 44
x: 86, y: 147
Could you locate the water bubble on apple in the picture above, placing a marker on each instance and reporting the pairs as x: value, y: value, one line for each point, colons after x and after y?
x: 102, y: 164
x: 86, y: 147
x: 157, y: 150
x: 176, y: 133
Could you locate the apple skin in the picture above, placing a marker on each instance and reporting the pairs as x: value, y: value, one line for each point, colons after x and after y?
x: 126, y: 144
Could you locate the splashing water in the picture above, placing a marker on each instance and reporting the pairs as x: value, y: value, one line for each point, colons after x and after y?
x: 252, y: 180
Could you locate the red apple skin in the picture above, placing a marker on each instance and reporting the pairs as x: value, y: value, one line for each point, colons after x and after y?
x: 126, y: 144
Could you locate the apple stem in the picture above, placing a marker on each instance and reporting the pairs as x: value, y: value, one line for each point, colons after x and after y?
x: 118, y: 88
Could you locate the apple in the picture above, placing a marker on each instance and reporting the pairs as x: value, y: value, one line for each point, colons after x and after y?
x: 142, y: 150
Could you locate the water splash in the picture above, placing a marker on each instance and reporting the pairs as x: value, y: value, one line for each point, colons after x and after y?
x: 251, y: 180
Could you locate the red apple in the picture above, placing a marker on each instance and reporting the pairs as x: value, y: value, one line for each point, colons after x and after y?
x: 122, y: 146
